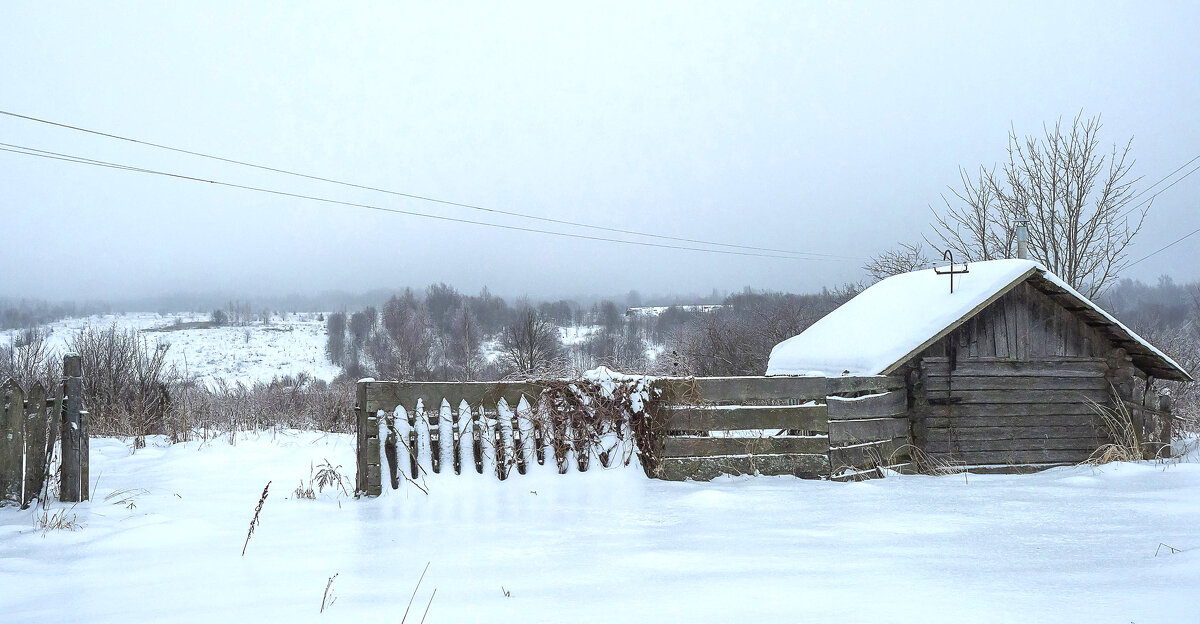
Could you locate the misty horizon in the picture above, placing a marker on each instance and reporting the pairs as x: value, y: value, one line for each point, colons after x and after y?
x: 824, y: 129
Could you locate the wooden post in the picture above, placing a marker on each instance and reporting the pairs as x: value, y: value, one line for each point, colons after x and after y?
x: 73, y: 488
x: 12, y: 440
x: 360, y: 429
x: 374, y: 469
x: 35, y: 444
x: 1167, y: 424
x: 370, y: 472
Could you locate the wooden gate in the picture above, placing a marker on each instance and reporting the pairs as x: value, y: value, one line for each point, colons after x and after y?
x: 30, y: 424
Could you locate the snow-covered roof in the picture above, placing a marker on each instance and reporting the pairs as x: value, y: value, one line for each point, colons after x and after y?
x: 893, y: 320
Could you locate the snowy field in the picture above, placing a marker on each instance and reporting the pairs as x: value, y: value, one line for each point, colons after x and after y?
x: 256, y: 352
x: 161, y: 541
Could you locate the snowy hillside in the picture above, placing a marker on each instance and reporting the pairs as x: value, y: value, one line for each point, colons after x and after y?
x: 161, y: 541
x: 257, y: 352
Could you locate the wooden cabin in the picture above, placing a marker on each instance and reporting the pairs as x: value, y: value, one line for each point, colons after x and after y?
x: 1005, y: 367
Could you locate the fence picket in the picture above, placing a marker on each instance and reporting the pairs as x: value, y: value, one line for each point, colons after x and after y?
x: 477, y: 439
x: 414, y: 449
x: 35, y: 443
x: 433, y: 417
x: 539, y: 441
x: 456, y: 436
x: 390, y: 451
x: 579, y: 435
x: 518, y: 448
x: 498, y: 444
x: 12, y: 441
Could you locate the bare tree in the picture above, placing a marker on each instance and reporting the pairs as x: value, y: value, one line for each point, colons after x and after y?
x: 896, y: 261
x: 530, y: 345
x: 465, y: 341
x: 1077, y: 199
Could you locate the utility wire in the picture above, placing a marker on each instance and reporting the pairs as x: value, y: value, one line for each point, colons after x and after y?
x: 1177, y: 241
x: 1163, y: 179
x: 28, y: 151
x: 420, y: 197
x: 1163, y: 189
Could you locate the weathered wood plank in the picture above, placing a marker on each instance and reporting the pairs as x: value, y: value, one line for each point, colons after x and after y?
x: 36, y: 429
x: 998, y: 367
x: 708, y: 468
x: 1024, y: 396
x: 698, y: 418
x: 1015, y: 445
x: 893, y: 403
x: 387, y: 395
x: 742, y: 390
x: 855, y: 431
x: 1019, y: 432
x: 940, y: 383
x: 360, y: 431
x: 877, y: 384
x: 861, y: 456
x: 1014, y: 457
x: 979, y: 410
x: 12, y: 440
x: 680, y: 446
x: 73, y: 485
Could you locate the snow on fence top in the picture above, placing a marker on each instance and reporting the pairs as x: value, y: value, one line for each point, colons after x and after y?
x: 891, y: 320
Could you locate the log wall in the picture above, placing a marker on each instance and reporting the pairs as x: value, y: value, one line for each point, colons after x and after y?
x: 1016, y: 384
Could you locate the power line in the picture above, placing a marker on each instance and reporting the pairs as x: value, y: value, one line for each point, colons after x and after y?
x: 1163, y: 189
x: 419, y: 197
x: 1177, y: 241
x: 1162, y: 179
x: 28, y: 151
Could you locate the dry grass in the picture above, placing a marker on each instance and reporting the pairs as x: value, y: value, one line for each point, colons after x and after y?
x: 58, y: 520
x: 925, y: 463
x: 1124, y: 445
x: 327, y: 599
x: 254, y: 521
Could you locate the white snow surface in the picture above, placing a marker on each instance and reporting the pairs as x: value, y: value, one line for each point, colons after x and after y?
x: 287, y: 346
x: 160, y: 541
x: 893, y: 317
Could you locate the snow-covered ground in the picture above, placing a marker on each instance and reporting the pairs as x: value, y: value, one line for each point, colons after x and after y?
x: 161, y: 541
x: 257, y: 352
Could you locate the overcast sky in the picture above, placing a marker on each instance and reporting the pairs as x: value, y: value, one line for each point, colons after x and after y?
x: 826, y: 128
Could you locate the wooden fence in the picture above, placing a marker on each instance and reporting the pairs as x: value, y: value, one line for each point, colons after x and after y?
x: 841, y: 427
x: 30, y: 426
x: 813, y: 427
x: 1153, y: 425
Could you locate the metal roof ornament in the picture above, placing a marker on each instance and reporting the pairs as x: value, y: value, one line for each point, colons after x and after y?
x: 950, y: 270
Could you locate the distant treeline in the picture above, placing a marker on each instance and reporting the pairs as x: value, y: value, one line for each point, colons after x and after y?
x: 441, y: 334
x: 24, y: 313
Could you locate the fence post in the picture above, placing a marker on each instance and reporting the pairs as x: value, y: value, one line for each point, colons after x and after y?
x: 35, y: 444
x: 12, y: 440
x: 73, y: 473
x: 370, y: 473
x: 1164, y: 406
